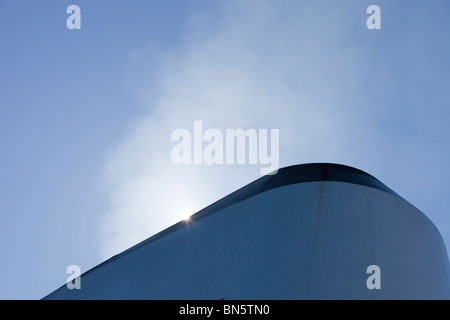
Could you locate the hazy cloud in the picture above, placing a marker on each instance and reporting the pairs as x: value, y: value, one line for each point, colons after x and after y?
x: 287, y: 65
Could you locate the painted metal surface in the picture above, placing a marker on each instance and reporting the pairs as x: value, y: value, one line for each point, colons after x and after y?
x: 306, y: 239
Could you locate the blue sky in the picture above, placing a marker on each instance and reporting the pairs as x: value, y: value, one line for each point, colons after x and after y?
x: 87, y: 115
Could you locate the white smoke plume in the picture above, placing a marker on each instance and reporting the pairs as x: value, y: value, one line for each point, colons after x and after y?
x: 286, y: 65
